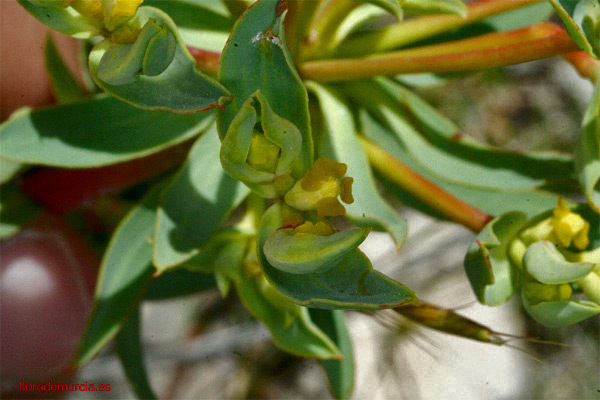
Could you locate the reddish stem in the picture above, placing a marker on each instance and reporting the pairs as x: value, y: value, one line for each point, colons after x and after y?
x: 586, y: 65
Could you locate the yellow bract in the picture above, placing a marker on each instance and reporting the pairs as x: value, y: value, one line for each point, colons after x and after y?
x: 320, y: 187
x: 320, y: 228
x: 124, y: 8
x: 570, y: 227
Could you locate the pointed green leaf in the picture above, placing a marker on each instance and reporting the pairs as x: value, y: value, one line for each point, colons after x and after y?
x: 492, y: 201
x: 426, y: 135
x: 352, y: 284
x: 71, y: 136
x: 577, y: 15
x: 555, y: 314
x: 487, y: 265
x: 258, y: 44
x: 289, y: 323
x: 587, y: 153
x: 340, y: 144
x: 546, y: 264
x: 129, y: 350
x: 195, y: 204
x: 340, y: 373
x: 125, y: 272
x: 64, y: 86
x: 181, y: 87
x: 64, y: 20
x: 301, y: 253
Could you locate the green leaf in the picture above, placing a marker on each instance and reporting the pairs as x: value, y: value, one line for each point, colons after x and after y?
x: 492, y: 201
x: 352, y: 284
x: 426, y: 135
x: 423, y: 7
x: 301, y: 253
x: 181, y: 87
x: 258, y: 44
x: 340, y: 144
x: 394, y: 7
x: 125, y: 272
x: 546, y: 264
x: 63, y: 20
x: 179, y: 282
x: 555, y: 314
x: 129, y: 350
x: 289, y: 324
x: 340, y: 373
x: 579, y: 16
x: 487, y: 265
x: 195, y: 204
x: 71, y: 136
x: 16, y: 209
x: 64, y: 86
x: 202, y: 24
x: 587, y: 153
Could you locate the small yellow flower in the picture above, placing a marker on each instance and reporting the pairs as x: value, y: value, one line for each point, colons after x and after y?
x: 320, y: 187
x: 570, y: 227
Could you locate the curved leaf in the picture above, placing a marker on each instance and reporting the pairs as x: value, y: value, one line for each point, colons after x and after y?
x: 546, y: 264
x: 339, y: 143
x: 202, y: 24
x: 555, y: 314
x: 16, y: 209
x: 181, y: 87
x: 487, y: 265
x: 352, y: 284
x: 258, y: 44
x: 125, y: 272
x: 301, y: 253
x: 289, y: 323
x: 71, y: 136
x: 196, y: 202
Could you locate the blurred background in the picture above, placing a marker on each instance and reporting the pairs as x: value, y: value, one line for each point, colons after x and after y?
x: 207, y: 347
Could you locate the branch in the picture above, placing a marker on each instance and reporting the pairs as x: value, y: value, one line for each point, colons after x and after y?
x: 425, y: 190
x: 531, y: 43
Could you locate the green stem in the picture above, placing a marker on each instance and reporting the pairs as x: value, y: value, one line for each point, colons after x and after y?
x: 534, y: 42
x: 591, y: 286
x: 410, y: 31
x: 425, y: 190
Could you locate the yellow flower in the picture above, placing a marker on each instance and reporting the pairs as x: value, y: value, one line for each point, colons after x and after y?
x: 320, y: 187
x: 570, y: 227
